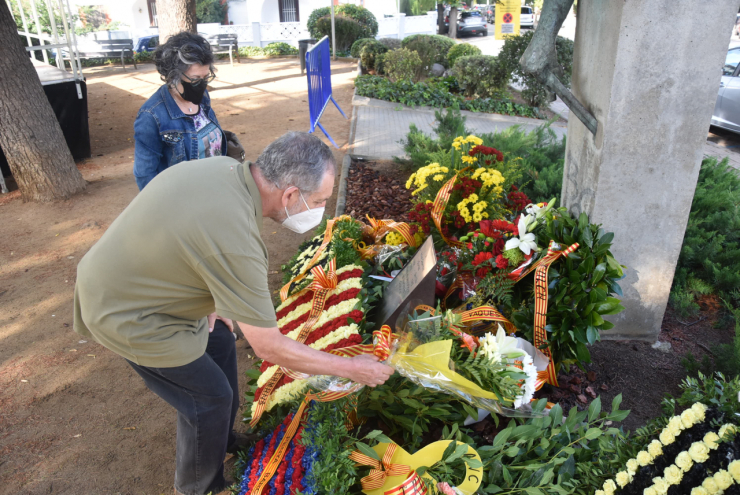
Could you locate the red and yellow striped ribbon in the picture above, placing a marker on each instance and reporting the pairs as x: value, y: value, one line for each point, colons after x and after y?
x: 487, y: 313
x: 440, y: 203
x: 540, y: 304
x: 379, y: 469
x: 381, y: 227
x: 328, y: 233
x: 281, y: 449
x: 413, y: 485
x: 317, y: 307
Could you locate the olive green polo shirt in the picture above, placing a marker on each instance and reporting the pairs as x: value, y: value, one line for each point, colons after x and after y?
x: 189, y: 244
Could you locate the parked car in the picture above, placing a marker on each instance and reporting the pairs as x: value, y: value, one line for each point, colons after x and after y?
x: 472, y: 22
x: 147, y: 43
x: 526, y: 18
x: 727, y: 107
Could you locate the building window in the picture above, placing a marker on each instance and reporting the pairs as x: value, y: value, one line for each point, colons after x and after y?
x: 152, y: 4
x: 288, y: 10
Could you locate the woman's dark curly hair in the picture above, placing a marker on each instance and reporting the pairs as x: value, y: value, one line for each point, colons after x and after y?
x: 180, y: 52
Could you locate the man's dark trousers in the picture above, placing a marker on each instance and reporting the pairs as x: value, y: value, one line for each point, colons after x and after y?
x: 206, y: 396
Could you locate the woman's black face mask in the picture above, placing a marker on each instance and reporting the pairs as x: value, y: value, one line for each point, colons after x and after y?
x: 193, y: 92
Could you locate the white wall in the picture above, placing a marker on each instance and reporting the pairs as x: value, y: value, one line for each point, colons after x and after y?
x: 238, y: 12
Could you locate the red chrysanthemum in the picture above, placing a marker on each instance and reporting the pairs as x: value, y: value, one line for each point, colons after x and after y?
x: 501, y: 262
x: 481, y: 258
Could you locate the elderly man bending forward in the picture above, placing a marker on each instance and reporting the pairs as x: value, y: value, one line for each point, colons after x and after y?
x: 186, y: 249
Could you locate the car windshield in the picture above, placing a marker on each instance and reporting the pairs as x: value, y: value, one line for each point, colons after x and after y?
x: 470, y: 14
x: 526, y: 10
x: 733, y: 58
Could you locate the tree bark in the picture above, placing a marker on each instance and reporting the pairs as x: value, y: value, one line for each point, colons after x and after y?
x: 453, y: 22
x: 175, y: 16
x: 31, y: 138
x: 440, y: 18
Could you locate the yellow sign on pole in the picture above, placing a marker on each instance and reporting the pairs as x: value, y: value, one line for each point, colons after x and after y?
x: 507, y: 18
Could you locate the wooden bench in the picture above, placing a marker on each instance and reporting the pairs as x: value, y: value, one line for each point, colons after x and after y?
x: 108, y: 49
x: 223, y: 43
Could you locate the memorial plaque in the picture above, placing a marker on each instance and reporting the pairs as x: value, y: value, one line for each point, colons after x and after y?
x: 415, y: 281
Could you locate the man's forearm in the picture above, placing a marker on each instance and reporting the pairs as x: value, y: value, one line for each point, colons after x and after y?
x: 272, y: 346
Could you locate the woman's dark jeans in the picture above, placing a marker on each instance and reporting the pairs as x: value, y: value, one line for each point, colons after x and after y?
x: 206, y: 396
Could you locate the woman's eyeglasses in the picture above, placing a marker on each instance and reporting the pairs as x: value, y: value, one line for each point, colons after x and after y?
x: 200, y: 80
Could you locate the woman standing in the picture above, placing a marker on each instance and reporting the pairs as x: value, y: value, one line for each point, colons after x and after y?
x: 177, y: 123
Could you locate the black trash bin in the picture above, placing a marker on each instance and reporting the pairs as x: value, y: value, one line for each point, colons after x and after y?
x: 303, y: 46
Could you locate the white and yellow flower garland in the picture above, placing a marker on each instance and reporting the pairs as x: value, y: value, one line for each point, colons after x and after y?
x: 295, y: 388
x: 690, y: 417
x: 720, y: 481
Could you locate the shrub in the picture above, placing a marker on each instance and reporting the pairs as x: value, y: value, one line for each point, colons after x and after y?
x: 359, y: 14
x: 432, y: 49
x: 480, y: 75
x: 370, y: 52
x: 534, y: 92
x: 402, y: 64
x: 357, y: 47
x: 210, y: 10
x: 433, y: 93
x: 347, y: 30
x: 280, y: 48
x: 250, y: 51
x: 461, y: 50
x: 391, y: 43
x: 710, y: 255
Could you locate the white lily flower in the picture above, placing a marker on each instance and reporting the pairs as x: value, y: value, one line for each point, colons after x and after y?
x: 507, y: 346
x: 526, y: 240
x: 533, y: 209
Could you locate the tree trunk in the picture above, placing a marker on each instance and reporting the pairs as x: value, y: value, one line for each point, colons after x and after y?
x: 453, y: 22
x: 31, y: 138
x: 440, y: 18
x: 176, y: 16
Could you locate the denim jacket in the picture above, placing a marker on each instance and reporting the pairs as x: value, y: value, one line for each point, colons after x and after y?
x: 166, y: 136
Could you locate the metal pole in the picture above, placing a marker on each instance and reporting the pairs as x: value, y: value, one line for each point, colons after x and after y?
x: 333, y: 32
x: 74, y: 53
x: 25, y: 25
x: 38, y: 30
x: 55, y: 34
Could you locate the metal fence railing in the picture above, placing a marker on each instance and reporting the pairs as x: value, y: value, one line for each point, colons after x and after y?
x: 318, y: 72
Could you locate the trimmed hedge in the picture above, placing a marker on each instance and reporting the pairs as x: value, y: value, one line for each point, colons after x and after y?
x: 461, y: 50
x: 370, y: 54
x: 432, y: 48
x: 357, y: 47
x: 480, y: 75
x: 357, y: 13
x: 347, y: 31
x: 402, y: 64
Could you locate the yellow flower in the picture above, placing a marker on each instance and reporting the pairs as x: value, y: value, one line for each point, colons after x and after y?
x: 688, y: 418
x: 473, y: 198
x: 477, y: 217
x: 666, y: 437
x: 675, y: 426
x: 661, y: 486
x: 393, y: 239
x: 699, y: 490
x: 477, y: 173
x: 650, y: 491
x: 474, y: 140
x: 623, y: 478
x: 459, y: 139
x: 710, y: 486
x: 673, y: 474
x: 655, y: 448
x: 439, y: 177
x: 728, y: 429
x: 711, y: 439
x: 456, y: 146
x: 469, y: 159
x: 723, y: 479
x: 700, y: 410
x: 734, y: 470
x: 644, y: 458
x: 599, y: 492
x: 632, y: 466
x: 609, y: 487
x: 684, y: 461
x: 410, y: 182
x: 699, y: 452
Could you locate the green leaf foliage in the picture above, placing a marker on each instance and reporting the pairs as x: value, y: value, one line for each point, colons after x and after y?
x: 357, y: 46
x: 480, y: 75
x: 402, y: 64
x: 346, y: 30
x: 461, y: 50
x: 535, y: 92
x: 432, y: 48
x: 280, y: 48
x: 370, y: 54
x: 355, y: 12
x: 433, y: 92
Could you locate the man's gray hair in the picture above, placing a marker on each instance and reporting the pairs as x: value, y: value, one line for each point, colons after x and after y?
x: 296, y: 159
x: 181, y: 51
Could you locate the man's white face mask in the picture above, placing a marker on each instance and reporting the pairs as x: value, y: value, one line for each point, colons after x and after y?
x: 305, y: 220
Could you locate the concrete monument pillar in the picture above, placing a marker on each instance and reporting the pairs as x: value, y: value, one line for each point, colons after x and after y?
x: 649, y: 71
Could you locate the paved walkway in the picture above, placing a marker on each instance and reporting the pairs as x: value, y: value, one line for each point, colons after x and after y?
x: 380, y: 125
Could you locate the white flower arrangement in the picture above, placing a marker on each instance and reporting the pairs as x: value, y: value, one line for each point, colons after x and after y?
x: 690, y: 417
x: 720, y: 481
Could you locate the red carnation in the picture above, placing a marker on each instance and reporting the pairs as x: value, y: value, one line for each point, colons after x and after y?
x: 498, y: 246
x: 482, y: 272
x: 481, y: 257
x: 501, y: 262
